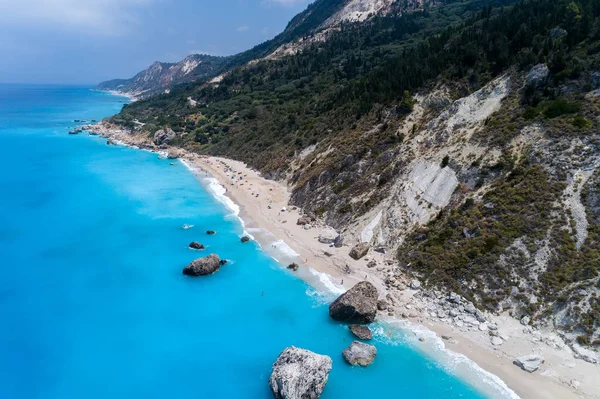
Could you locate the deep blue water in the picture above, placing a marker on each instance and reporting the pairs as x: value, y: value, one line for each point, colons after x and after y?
x: 93, y: 303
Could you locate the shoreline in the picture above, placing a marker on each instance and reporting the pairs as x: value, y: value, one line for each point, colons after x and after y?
x: 131, y: 97
x: 275, y: 230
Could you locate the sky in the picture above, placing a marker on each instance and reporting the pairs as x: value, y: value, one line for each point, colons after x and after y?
x: 88, y: 41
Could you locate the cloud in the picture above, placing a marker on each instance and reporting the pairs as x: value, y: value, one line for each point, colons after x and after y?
x: 104, y: 17
x: 243, y: 28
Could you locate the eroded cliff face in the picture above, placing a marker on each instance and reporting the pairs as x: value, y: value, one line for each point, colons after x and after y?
x: 504, y: 212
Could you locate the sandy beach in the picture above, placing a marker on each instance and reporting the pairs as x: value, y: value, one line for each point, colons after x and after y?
x: 269, y: 218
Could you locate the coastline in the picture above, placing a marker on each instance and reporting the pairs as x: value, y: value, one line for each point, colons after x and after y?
x: 323, y: 267
x: 131, y: 97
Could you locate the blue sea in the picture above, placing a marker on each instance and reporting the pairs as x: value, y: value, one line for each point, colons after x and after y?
x: 93, y: 303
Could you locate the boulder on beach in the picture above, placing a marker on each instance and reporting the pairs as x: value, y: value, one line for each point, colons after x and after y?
x: 164, y: 136
x: 359, y: 250
x: 361, y: 332
x: 327, y: 236
x: 529, y: 363
x: 299, y: 374
x: 174, y: 154
x: 304, y: 220
x: 203, y: 266
x: 196, y: 245
x: 357, y: 305
x: 382, y: 304
x: 245, y: 239
x: 360, y: 353
x: 211, y: 232
x: 293, y: 266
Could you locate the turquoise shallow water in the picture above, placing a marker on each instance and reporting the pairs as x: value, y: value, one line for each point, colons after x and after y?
x: 92, y: 299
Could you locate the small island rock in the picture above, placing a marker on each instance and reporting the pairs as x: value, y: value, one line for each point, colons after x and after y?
x: 196, y: 245
x: 299, y: 374
x: 211, y: 232
x: 245, y: 239
x: 360, y: 353
x: 361, y: 332
x: 357, y: 305
x: 203, y: 266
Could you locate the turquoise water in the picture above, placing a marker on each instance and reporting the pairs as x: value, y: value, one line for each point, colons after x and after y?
x: 92, y: 299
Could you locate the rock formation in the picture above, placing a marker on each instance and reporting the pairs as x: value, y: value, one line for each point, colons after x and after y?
x: 293, y: 266
x: 357, y: 305
x: 203, y: 266
x: 164, y: 136
x: 359, y: 250
x: 529, y: 363
x: 245, y: 239
x: 299, y: 374
x: 196, y: 245
x: 304, y: 220
x: 211, y: 232
x: 360, y: 353
x: 361, y: 332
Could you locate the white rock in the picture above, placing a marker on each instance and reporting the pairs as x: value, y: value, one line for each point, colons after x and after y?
x: 299, y: 373
x: 483, y: 327
x: 496, y: 341
x: 529, y: 363
x: 415, y: 284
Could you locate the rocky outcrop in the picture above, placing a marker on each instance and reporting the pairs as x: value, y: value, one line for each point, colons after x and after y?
x: 537, y: 75
x: 245, y: 239
x: 164, y: 136
x: 211, y: 232
x: 359, y: 250
x: 203, y: 266
x: 361, y: 332
x: 529, y: 363
x: 415, y: 284
x: 360, y: 353
x: 357, y: 305
x: 196, y: 245
x: 299, y: 374
x: 293, y: 267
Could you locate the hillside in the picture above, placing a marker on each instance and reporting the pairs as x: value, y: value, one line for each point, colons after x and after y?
x: 461, y: 137
x: 320, y: 19
x: 160, y: 75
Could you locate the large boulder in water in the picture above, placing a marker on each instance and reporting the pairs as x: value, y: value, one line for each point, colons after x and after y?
x: 196, y: 245
x: 357, y: 305
x: 203, y: 266
x: 299, y: 374
x: 359, y: 353
x: 164, y: 136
